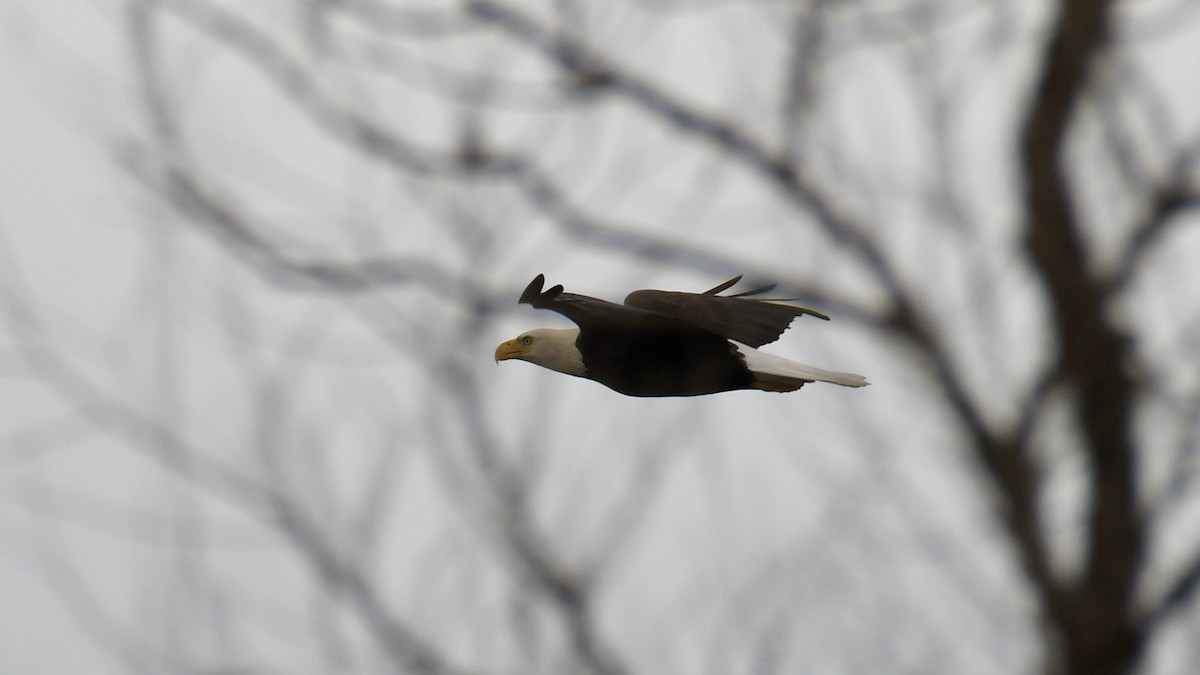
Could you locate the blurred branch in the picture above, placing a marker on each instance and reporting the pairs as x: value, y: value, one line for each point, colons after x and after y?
x: 553, y: 200
x: 259, y: 50
x: 1174, y: 197
x: 1164, y: 200
x: 807, y: 33
x: 1158, y: 21
x: 592, y: 71
x: 1170, y: 501
x: 187, y: 193
x: 1115, y: 107
x: 403, y: 644
x: 35, y: 440
x: 570, y: 594
x: 1181, y: 474
x: 1179, y: 596
x: 167, y: 173
x: 1005, y: 457
x: 419, y: 24
x: 61, y: 571
x: 177, y: 456
x: 297, y: 81
x: 1098, y: 634
x: 645, y: 483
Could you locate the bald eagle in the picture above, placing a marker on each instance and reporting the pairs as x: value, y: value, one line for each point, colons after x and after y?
x: 668, y: 343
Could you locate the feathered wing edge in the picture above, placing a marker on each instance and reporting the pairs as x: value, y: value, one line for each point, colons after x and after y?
x: 750, y: 321
x: 533, y: 295
x: 585, y: 311
x: 754, y: 291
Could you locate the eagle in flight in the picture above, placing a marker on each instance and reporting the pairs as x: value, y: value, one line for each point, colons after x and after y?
x: 669, y: 343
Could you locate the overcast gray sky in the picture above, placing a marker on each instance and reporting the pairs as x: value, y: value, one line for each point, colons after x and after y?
x: 249, y: 415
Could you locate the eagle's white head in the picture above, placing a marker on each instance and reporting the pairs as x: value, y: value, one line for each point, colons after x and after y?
x: 552, y: 348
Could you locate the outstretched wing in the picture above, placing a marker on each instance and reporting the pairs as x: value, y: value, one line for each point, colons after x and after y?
x: 586, y: 312
x: 752, y: 322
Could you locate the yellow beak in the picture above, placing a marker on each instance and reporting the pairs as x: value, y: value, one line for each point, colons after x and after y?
x: 509, y: 349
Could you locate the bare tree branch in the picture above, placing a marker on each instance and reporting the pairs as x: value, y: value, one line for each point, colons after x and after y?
x: 1091, y: 351
x: 1178, y: 597
x: 592, y: 71
x: 303, y: 87
x: 219, y: 217
x: 1173, y: 198
x: 175, y: 454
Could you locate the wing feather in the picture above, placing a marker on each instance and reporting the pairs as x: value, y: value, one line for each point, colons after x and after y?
x: 752, y: 322
x: 723, y: 286
x: 585, y: 311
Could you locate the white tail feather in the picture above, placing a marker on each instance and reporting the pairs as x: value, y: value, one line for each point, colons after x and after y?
x: 780, y: 374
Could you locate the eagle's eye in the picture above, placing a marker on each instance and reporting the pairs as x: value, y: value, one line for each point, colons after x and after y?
x: 527, y: 340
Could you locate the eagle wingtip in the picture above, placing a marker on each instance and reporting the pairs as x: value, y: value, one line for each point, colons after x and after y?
x: 722, y: 286
x: 534, y: 295
x: 533, y: 291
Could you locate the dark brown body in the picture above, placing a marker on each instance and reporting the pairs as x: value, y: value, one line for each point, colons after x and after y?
x: 663, y: 362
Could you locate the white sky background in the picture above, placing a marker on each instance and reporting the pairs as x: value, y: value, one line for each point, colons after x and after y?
x: 821, y: 516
